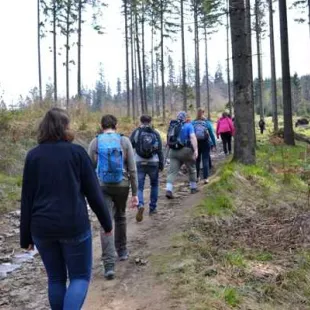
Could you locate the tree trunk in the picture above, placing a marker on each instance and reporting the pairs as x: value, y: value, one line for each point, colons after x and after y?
x: 127, y: 58
x: 207, y: 73
x: 286, y: 76
x: 39, y: 52
x: 197, y: 62
x: 249, y: 49
x: 309, y: 15
x: 184, y: 85
x: 162, y: 59
x: 133, y: 78
x: 137, y: 89
x: 259, y: 59
x: 79, y: 43
x: 67, y: 53
x: 55, y: 48
x: 143, y: 60
x: 157, y: 86
x: 139, y: 63
x: 228, y: 61
x: 152, y: 68
x: 273, y: 70
x: 245, y: 137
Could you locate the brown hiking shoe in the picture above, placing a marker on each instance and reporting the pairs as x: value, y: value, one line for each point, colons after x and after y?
x: 139, y: 216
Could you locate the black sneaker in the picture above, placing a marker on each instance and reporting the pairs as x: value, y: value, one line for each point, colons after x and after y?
x: 194, y: 190
x: 169, y: 195
x: 109, y: 272
x: 123, y: 256
x: 152, y: 212
x: 139, y: 216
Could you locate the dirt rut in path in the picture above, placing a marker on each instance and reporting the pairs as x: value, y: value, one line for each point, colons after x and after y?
x: 135, y: 286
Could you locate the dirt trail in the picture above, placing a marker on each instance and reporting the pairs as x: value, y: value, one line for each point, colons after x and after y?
x: 135, y: 287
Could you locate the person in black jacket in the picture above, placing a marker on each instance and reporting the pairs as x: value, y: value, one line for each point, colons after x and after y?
x: 150, y: 160
x: 58, y: 175
x: 262, y: 125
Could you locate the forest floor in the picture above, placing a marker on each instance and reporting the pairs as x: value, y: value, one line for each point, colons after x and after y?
x: 242, y: 243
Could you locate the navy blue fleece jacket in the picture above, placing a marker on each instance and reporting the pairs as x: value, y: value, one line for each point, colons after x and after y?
x: 57, y: 178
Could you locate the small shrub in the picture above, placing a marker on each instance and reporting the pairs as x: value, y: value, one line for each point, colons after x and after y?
x: 232, y: 297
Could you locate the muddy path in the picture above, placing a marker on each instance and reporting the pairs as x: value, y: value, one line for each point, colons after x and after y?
x: 135, y: 287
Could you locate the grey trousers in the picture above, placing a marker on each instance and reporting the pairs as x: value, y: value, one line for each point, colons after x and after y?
x: 177, y: 159
x: 116, y: 197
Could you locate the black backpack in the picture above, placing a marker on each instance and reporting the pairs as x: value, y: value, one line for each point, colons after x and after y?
x: 146, y: 142
x: 174, y: 135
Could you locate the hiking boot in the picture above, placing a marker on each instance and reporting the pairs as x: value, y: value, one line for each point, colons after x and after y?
x: 194, y: 190
x: 139, y: 216
x: 109, y: 272
x: 206, y: 181
x: 169, y: 195
x: 152, y: 212
x: 123, y: 256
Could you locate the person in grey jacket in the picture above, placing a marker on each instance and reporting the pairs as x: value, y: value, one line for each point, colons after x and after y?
x: 117, y: 196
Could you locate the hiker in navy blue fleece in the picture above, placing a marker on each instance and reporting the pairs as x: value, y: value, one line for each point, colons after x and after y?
x: 58, y: 175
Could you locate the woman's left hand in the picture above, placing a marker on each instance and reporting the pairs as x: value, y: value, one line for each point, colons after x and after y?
x: 30, y: 247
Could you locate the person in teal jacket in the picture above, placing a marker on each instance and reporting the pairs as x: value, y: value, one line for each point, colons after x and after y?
x: 206, y: 142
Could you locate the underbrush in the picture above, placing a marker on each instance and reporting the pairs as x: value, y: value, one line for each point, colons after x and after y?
x: 10, y: 188
x: 18, y: 131
x: 247, y: 246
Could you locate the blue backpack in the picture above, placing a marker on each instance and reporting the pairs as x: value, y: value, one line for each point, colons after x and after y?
x: 201, y: 130
x: 110, y: 158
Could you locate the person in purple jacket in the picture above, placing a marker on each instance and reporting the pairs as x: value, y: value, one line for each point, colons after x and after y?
x: 58, y: 176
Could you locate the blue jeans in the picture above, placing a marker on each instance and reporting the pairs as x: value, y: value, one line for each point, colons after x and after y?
x: 152, y: 170
x: 62, y: 257
x: 204, y: 155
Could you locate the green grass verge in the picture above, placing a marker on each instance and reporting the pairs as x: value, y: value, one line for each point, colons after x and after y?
x: 204, y: 271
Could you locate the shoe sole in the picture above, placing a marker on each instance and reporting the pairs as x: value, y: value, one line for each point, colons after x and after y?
x: 110, y: 277
x: 139, y: 216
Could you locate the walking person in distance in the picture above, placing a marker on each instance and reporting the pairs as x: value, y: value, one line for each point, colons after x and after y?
x: 206, y: 141
x: 150, y: 160
x: 225, y: 129
x: 262, y: 126
x: 113, y: 157
x: 182, y: 142
x: 58, y: 175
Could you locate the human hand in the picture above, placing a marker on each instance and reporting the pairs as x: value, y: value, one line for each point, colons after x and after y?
x: 108, y: 233
x: 30, y: 247
x: 134, y: 202
x: 195, y: 154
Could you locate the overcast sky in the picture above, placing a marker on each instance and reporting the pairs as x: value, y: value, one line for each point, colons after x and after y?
x: 18, y: 52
